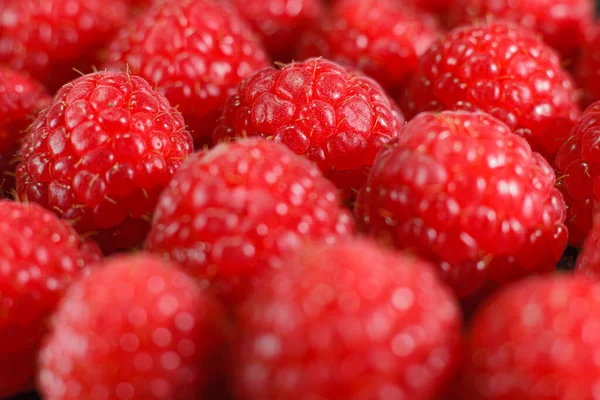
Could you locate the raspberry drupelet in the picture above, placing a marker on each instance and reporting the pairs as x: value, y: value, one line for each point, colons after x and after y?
x: 195, y: 52
x: 337, y: 118
x: 231, y: 213
x: 463, y: 191
x: 505, y: 71
x: 40, y: 256
x: 100, y: 155
x: 588, y: 260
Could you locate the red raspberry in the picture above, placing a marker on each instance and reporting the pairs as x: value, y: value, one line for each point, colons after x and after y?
x: 281, y: 22
x: 100, y: 155
x: 382, y: 38
x: 461, y: 190
x: 195, y: 52
x: 348, y: 321
x: 505, y: 71
x: 39, y: 257
x: 48, y: 38
x: 337, y: 118
x: 588, y: 261
x: 587, y: 70
x: 20, y: 99
x: 564, y: 24
x: 536, y: 340
x: 231, y: 213
x: 138, y: 328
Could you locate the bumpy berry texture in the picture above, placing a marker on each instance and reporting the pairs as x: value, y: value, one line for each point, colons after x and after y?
x: 233, y: 212
x: 348, y: 321
x: 39, y: 258
x: 138, y: 328
x: 100, y: 155
x: 20, y: 99
x: 379, y: 37
x: 588, y: 261
x: 537, y: 340
x: 578, y: 169
x: 587, y: 70
x: 564, y: 25
x: 48, y: 38
x: 461, y: 190
x: 280, y: 23
x: 337, y: 118
x: 195, y: 52
x: 505, y: 71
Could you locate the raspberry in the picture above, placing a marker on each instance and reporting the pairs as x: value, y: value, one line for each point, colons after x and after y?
x: 578, y: 167
x: 564, y: 25
x: 348, y: 321
x: 48, y: 38
x: 587, y: 70
x: 337, y: 118
x: 505, y: 71
x: 382, y: 38
x: 536, y: 340
x: 281, y: 22
x: 100, y: 155
x: 138, y: 328
x: 39, y: 257
x: 461, y: 190
x: 196, y: 52
x: 232, y: 212
x: 588, y: 261
x: 20, y: 99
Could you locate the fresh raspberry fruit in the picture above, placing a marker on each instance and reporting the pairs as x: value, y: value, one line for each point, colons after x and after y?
x: 138, y: 328
x: 39, y: 257
x: 100, y: 155
x: 281, y: 22
x: 588, y: 261
x: 536, y: 340
x: 20, y: 99
x: 337, y: 118
x: 461, y: 190
x: 564, y: 25
x: 232, y: 212
x: 48, y: 38
x: 347, y: 321
x: 195, y: 52
x: 382, y: 38
x: 505, y: 71
x: 578, y: 168
x: 587, y: 70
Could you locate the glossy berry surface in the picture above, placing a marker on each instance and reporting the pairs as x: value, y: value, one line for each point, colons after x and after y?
x: 461, y: 190
x: 382, y: 38
x: 138, y: 328
x: 336, y: 118
x: 195, y: 52
x: 505, y: 71
x: 280, y: 23
x: 48, y: 38
x: 537, y: 340
x: 588, y: 261
x: 39, y: 258
x: 347, y: 321
x: 20, y: 99
x: 100, y: 155
x: 587, y: 71
x: 565, y: 25
x: 233, y: 212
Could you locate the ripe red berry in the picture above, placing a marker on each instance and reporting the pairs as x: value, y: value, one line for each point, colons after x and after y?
x: 587, y: 70
x: 48, y: 38
x: 280, y: 23
x: 505, y: 71
x: 138, y: 328
x: 461, y: 190
x: 232, y: 212
x: 347, y: 321
x: 588, y: 261
x: 20, y: 99
x: 564, y: 25
x: 382, y: 38
x: 39, y: 258
x: 337, y: 118
x: 536, y: 340
x: 195, y: 52
x: 100, y: 155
